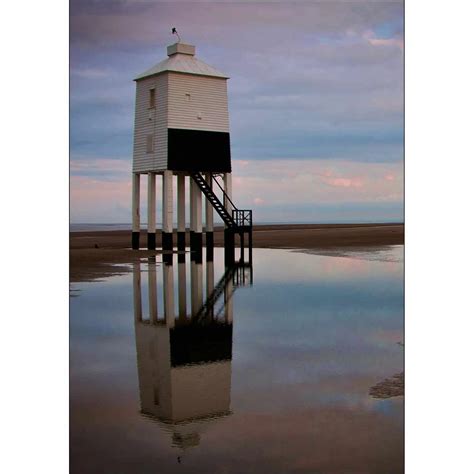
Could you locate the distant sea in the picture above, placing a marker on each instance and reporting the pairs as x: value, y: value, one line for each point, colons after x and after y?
x: 128, y: 226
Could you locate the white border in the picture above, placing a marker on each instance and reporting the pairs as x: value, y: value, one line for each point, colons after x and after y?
x: 34, y: 195
x: 439, y: 237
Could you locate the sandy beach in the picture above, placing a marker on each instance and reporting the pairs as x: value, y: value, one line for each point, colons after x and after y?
x: 94, y: 255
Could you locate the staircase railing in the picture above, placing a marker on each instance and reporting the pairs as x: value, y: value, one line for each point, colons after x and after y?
x: 242, y: 217
x: 225, y: 196
x: 237, y: 218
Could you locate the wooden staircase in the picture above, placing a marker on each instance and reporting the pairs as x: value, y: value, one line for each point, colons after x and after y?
x: 240, y: 220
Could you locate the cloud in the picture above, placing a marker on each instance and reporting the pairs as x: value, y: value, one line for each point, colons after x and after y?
x: 344, y: 182
x: 105, y: 169
x: 289, y: 181
x: 304, y: 77
x: 371, y: 37
x: 278, y: 189
x: 90, y: 73
x: 150, y: 21
x: 310, y: 83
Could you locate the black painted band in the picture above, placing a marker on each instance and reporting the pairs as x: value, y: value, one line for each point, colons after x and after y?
x: 151, y: 241
x: 167, y: 241
x: 196, y: 256
x: 209, y: 239
x: 135, y: 240
x: 196, y: 246
x: 229, y: 247
x: 212, y: 148
x: 181, y: 241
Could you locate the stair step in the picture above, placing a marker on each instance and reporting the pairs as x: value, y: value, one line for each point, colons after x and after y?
x: 219, y: 207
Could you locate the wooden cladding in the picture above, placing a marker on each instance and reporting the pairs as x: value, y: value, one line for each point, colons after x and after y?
x: 151, y: 98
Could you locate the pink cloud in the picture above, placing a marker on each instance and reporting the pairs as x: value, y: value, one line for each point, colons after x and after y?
x: 242, y: 162
x: 344, y: 182
x: 374, y: 41
x: 95, y: 199
x: 105, y: 195
x: 386, y: 42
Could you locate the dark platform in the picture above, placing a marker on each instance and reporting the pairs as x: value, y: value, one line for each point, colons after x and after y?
x: 198, y: 150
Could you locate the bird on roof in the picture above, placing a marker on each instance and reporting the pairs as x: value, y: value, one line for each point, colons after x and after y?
x: 174, y: 31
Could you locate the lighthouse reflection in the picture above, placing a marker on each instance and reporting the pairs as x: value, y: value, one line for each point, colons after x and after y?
x: 184, y: 356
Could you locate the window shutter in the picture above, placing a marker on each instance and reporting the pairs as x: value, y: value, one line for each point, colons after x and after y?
x: 151, y: 103
x: 149, y: 143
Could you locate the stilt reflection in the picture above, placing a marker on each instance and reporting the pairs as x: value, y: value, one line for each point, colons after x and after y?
x: 184, y: 358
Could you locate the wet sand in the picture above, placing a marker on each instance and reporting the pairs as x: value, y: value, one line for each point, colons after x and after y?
x: 95, y: 255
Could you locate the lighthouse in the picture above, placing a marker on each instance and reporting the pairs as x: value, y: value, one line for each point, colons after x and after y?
x: 182, y: 133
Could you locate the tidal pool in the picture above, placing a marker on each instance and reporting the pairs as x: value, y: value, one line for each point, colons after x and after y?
x: 194, y: 368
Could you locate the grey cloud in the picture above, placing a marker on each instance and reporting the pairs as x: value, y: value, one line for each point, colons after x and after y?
x: 304, y: 79
x: 234, y: 22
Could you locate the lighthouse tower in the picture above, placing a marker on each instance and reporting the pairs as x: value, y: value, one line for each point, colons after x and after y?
x: 182, y: 133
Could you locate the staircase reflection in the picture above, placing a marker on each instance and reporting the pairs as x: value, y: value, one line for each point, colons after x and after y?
x: 184, y: 357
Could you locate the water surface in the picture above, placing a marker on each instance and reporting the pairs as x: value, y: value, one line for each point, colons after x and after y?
x: 189, y: 368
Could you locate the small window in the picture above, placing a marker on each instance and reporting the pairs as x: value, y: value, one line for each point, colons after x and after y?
x: 149, y: 143
x: 188, y: 96
x: 151, y: 98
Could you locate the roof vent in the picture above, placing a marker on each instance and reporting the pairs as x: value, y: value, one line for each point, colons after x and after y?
x: 181, y: 48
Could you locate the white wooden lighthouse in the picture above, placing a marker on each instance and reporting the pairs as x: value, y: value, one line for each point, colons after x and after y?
x: 182, y: 133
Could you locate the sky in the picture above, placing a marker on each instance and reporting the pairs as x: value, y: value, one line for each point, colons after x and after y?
x: 315, y: 103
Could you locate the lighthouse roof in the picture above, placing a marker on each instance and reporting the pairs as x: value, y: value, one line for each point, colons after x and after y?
x: 181, y: 59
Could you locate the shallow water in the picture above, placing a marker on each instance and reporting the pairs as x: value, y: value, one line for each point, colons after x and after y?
x: 271, y: 377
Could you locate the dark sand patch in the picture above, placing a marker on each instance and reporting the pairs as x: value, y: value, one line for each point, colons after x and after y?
x: 388, y: 388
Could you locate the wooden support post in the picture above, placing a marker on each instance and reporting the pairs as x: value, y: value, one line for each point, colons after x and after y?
x: 135, y: 211
x: 229, y: 246
x: 192, y: 212
x: 198, y: 209
x: 151, y: 236
x: 196, y: 221
x: 181, y: 211
x: 167, y: 205
x: 228, y: 191
x: 209, y: 216
x: 250, y: 246
x: 229, y: 236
